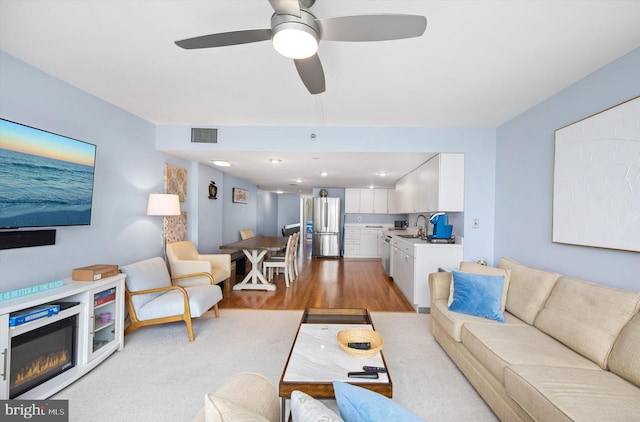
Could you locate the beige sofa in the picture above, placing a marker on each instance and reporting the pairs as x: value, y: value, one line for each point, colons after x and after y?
x: 568, y: 350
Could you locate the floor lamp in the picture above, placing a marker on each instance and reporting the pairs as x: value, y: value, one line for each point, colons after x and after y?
x: 163, y: 204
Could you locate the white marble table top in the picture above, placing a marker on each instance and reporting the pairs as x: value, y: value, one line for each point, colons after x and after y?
x: 317, y: 356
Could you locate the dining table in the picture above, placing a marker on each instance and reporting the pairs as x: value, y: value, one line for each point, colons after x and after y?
x: 255, y: 248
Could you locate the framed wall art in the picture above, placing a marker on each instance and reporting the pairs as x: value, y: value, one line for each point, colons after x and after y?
x: 240, y: 196
x: 596, y: 180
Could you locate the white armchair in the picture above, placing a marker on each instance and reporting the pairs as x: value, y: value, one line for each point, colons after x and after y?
x: 152, y: 299
x: 184, y: 259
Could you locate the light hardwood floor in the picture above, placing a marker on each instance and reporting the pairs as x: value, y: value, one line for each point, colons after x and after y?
x: 326, y: 283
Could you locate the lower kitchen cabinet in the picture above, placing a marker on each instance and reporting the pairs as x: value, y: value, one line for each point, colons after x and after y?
x: 414, y: 260
x: 363, y: 241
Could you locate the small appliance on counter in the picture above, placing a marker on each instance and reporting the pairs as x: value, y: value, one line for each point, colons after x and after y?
x: 399, y: 224
x: 441, y: 229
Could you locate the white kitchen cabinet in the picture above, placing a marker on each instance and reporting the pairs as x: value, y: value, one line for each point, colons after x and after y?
x: 366, y: 201
x: 380, y: 201
x: 392, y: 204
x: 437, y: 185
x: 363, y: 241
x: 444, y: 183
x: 413, y: 260
x: 351, y: 201
x: 351, y: 242
x: 369, y: 239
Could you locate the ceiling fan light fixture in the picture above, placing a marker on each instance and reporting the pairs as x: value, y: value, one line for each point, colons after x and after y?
x: 299, y: 42
x: 295, y: 37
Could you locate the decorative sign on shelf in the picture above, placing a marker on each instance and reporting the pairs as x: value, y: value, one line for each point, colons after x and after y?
x: 596, y: 180
x: 25, y: 291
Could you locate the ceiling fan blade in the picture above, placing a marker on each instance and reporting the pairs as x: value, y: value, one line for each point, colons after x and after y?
x: 226, y: 38
x: 372, y: 27
x: 286, y: 7
x: 311, y: 73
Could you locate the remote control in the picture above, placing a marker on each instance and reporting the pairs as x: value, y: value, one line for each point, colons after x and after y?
x: 360, y: 346
x: 374, y: 369
x: 372, y: 375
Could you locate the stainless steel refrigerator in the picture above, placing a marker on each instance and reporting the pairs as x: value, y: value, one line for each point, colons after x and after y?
x: 326, y: 228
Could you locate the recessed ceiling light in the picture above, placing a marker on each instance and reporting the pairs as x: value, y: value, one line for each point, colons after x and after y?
x: 298, y: 180
x: 371, y: 187
x: 275, y: 160
x: 279, y: 192
x: 382, y: 174
x: 324, y: 174
x: 221, y: 163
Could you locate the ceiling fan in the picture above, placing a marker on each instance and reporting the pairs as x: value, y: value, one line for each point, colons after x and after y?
x: 295, y: 33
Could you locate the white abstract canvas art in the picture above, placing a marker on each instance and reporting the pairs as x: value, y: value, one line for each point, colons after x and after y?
x: 596, y: 181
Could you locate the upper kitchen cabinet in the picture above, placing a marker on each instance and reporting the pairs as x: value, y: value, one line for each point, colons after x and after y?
x: 366, y: 201
x: 437, y: 185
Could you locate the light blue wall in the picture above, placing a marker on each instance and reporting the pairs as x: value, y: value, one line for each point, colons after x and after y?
x: 205, y: 228
x: 238, y: 216
x: 477, y: 144
x: 288, y: 210
x: 267, y: 221
x: 128, y: 168
x: 524, y: 177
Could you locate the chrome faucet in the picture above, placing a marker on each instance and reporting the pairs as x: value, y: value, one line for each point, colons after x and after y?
x: 424, y: 228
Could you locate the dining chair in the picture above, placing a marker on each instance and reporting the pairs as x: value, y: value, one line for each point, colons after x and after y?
x: 294, y: 257
x: 153, y: 298
x: 246, y: 234
x: 274, y: 263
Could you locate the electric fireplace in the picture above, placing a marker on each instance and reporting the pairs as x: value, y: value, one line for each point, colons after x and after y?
x: 41, y: 354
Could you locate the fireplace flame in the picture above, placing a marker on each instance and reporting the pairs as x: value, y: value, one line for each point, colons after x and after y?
x: 41, y: 366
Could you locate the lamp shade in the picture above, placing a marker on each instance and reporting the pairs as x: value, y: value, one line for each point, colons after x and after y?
x: 163, y: 204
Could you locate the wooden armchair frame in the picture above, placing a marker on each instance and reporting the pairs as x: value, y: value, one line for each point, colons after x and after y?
x: 186, y: 316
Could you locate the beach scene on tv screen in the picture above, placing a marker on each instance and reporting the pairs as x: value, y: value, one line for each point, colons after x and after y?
x: 45, y: 179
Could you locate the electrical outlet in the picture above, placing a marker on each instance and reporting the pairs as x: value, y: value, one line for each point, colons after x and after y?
x: 476, y: 223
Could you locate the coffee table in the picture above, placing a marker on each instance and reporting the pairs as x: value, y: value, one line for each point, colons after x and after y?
x: 316, y: 359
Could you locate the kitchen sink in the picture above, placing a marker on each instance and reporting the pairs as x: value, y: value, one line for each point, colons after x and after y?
x: 408, y: 236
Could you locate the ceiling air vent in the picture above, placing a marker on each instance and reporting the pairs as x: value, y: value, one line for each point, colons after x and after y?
x: 203, y: 135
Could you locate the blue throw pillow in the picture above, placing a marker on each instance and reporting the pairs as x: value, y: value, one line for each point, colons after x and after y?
x: 478, y: 294
x: 361, y: 405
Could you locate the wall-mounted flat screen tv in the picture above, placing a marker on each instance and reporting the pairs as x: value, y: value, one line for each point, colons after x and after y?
x: 46, y: 180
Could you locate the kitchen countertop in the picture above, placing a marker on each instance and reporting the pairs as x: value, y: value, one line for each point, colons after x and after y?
x: 395, y: 234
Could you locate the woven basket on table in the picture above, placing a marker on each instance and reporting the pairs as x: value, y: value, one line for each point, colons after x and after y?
x: 360, y: 335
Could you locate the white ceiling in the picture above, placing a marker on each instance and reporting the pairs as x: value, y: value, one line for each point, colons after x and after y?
x: 479, y: 64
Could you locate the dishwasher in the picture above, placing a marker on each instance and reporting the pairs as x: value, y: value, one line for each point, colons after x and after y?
x: 386, y: 254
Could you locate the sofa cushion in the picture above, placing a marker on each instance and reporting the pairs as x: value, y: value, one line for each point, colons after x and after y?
x: 358, y: 404
x: 497, y: 345
x: 478, y: 294
x: 528, y: 289
x: 201, y: 299
x: 549, y: 393
x: 472, y: 267
x: 625, y: 355
x: 452, y: 322
x: 587, y: 317
x: 305, y: 408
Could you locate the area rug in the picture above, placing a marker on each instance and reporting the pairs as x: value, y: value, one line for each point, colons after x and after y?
x: 161, y: 376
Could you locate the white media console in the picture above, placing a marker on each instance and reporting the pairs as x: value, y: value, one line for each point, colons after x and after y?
x: 95, y: 338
